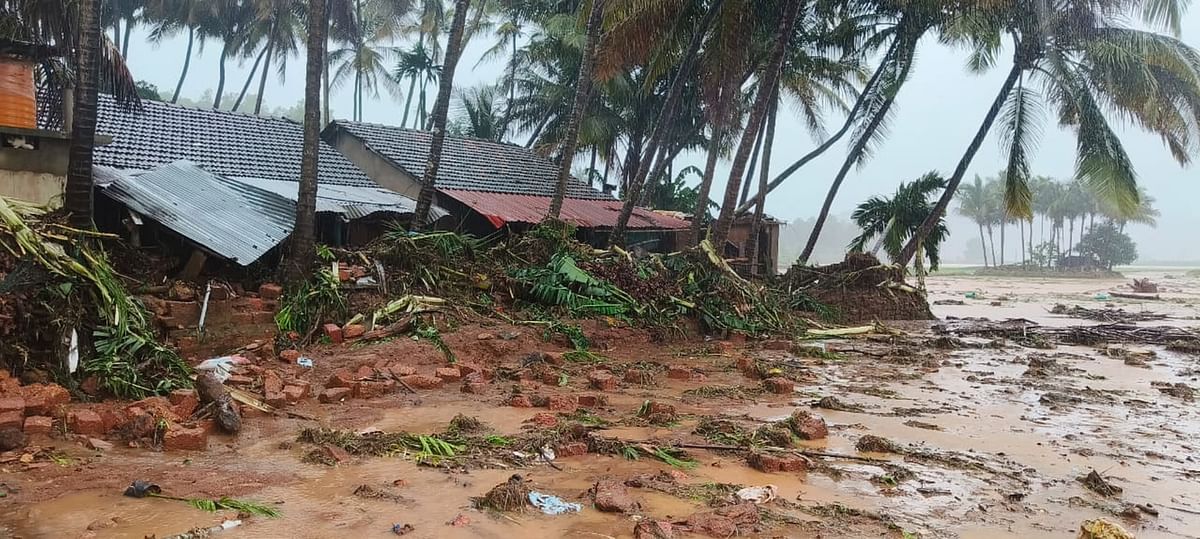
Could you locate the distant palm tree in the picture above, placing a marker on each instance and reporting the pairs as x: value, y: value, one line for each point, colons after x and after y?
x: 479, y: 115
x: 169, y: 17
x: 418, y: 67
x: 973, y: 204
x: 583, y: 88
x: 894, y: 220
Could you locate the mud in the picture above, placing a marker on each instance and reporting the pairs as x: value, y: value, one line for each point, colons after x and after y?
x: 979, y: 439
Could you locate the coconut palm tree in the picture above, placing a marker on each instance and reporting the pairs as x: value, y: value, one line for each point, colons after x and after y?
x: 1088, y: 64
x: 228, y: 21
x: 418, y: 66
x: 303, y: 240
x: 169, y: 17
x: 440, y: 110
x: 973, y: 204
x: 363, y: 57
x: 583, y: 86
x: 479, y: 114
x: 894, y: 220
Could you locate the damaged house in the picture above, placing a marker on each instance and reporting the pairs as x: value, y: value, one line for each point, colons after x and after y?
x: 489, y: 186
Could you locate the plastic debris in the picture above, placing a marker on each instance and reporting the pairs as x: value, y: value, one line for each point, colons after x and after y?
x: 230, y: 524
x: 305, y: 362
x: 221, y: 367
x: 971, y: 295
x: 553, y: 505
x: 401, y: 529
x: 141, y: 489
x: 1102, y: 296
x: 761, y: 494
x: 73, y: 352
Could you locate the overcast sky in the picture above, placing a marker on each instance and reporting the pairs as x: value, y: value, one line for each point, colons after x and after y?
x: 938, y: 111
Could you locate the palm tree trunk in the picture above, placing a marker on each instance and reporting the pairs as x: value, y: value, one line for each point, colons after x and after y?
x: 1030, y: 251
x: 992, y: 241
x: 537, y: 131
x: 963, y: 164
x: 1003, y: 225
x: 262, y: 82
x: 702, y: 195
x: 78, y: 193
x: 583, y: 87
x: 221, y: 73
x: 117, y: 31
x: 1071, y: 237
x: 187, y: 61
x: 919, y: 267
x: 983, y: 245
x: 303, y: 244
x: 756, y: 223
x: 253, y: 70
x: 325, y: 85
x: 592, y: 169
x: 412, y: 85
x: 661, y: 126
x: 758, y: 112
x: 125, y: 39
x: 753, y: 163
x: 441, y: 109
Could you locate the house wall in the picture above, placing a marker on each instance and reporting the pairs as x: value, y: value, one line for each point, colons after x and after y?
x: 375, y: 166
x: 38, y: 176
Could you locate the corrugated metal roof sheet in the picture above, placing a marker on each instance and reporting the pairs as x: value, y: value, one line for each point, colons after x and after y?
x: 501, y: 208
x: 351, y: 202
x: 240, y: 224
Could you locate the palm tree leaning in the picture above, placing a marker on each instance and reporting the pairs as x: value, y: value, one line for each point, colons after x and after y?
x: 894, y: 220
x: 1089, y: 64
x: 583, y: 86
x: 440, y: 111
x: 303, y: 241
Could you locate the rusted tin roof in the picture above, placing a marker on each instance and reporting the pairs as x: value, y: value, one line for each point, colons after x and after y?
x: 502, y: 208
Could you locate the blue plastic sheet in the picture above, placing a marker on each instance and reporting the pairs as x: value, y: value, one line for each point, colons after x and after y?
x: 553, y: 505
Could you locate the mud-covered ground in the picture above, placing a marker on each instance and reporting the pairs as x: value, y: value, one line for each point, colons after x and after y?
x: 981, y: 438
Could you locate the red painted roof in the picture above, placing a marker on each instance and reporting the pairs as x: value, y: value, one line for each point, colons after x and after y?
x: 501, y: 208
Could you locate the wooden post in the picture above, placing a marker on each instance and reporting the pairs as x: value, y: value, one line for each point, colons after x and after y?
x: 194, y: 265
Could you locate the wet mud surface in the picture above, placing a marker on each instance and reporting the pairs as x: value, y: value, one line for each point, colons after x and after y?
x: 970, y: 439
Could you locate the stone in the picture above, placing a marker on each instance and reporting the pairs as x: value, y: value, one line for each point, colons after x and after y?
x: 270, y: 291
x: 602, y: 380
x: 422, y: 381
x: 728, y: 521
x: 12, y: 405
x: 342, y: 378
x: 353, y: 331
x: 335, y: 394
x: 44, y: 399
x: 85, y: 422
x: 467, y: 368
x: 399, y: 371
x: 460, y: 521
x: 334, y: 332
x: 485, y: 336
x: 770, y: 463
x: 275, y: 399
x: 778, y: 385
x: 96, y: 444
x: 289, y: 356
x: 571, y: 449
x: 610, y: 496
x: 12, y: 420
x: 449, y: 374
x: 474, y: 388
x: 39, y: 424
x: 807, y: 425
x: 334, y: 453
x: 184, y: 402
x: 561, y: 403
x: 293, y: 393
x: 544, y: 420
x: 11, y: 439
x: 180, y: 438
x: 653, y: 529
x: 374, y: 389
x: 520, y: 401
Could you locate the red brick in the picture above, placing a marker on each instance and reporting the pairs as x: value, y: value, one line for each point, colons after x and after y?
x: 807, y: 425
x: 680, y: 372
x: 271, y: 382
x: 653, y: 529
x: 572, y: 449
x: 184, y: 402
x: 777, y: 463
x: 639, y: 377
x: 520, y: 401
x: 561, y: 403
x: 399, y: 371
x: 275, y: 398
x: 550, y: 379
x: 44, y: 399
x: 12, y: 404
x: 333, y: 332
x: 353, y: 331
x: 373, y: 389
x: 90, y: 386
x: 777, y: 345
x: 12, y: 420
x: 736, y: 338
x: 654, y: 407
x: 289, y: 355
x: 588, y: 401
x: 602, y: 380
x: 745, y: 364
x: 342, y: 378
x: 334, y: 453
x: 335, y: 394
x: 449, y: 374
x: 475, y: 388
x: 180, y: 438
x: 39, y: 424
x: 244, y: 319
x: 85, y: 422
x: 467, y: 369
x: 364, y: 371
x: 554, y: 358
x: 778, y: 385
x: 422, y: 381
x: 251, y: 305
x: 270, y: 291
x: 294, y: 393
x: 544, y: 419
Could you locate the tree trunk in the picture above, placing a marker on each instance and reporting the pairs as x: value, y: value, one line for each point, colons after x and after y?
x: 756, y: 223
x: 700, y: 213
x: 262, y: 82
x: 919, y: 268
x: 1021, y: 242
x: 125, y: 39
x: 753, y: 163
x: 325, y: 84
x: 1003, y: 225
x: 661, y: 126
x: 583, y: 86
x: 253, y: 70
x: 983, y: 244
x: 1071, y: 237
x: 303, y: 244
x: 768, y: 80
x: 78, y: 194
x: 221, y: 73
x: 187, y: 61
x: 412, y: 86
x: 592, y: 169
x: 116, y: 30
x: 963, y: 164
x: 440, y: 110
x: 992, y: 241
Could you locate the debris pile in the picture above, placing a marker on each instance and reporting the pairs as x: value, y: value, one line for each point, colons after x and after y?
x: 1106, y: 315
x: 860, y: 289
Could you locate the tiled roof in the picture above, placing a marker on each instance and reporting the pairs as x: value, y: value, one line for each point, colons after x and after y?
x: 225, y: 143
x: 469, y: 164
x: 502, y: 208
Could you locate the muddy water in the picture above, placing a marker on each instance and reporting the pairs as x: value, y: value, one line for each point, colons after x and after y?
x: 992, y: 452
